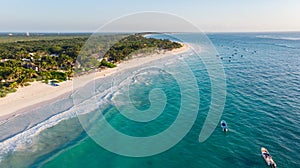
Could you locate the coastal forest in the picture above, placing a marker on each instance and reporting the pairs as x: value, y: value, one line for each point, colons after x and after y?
x: 55, y: 58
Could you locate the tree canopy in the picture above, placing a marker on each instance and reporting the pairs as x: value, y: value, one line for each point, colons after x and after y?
x: 48, y: 58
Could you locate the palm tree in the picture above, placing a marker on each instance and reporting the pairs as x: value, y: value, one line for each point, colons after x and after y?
x: 15, y: 74
x: 13, y: 85
x: 44, y: 65
x: 30, y: 73
x: 22, y: 80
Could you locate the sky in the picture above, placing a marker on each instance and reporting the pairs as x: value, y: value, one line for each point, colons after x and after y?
x: 207, y: 15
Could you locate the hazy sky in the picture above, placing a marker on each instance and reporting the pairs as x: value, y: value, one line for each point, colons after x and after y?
x: 208, y: 15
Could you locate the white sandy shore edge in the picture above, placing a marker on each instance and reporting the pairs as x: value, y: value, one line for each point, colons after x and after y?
x: 38, y: 92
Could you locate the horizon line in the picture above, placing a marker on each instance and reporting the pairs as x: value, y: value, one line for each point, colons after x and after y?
x: 91, y: 32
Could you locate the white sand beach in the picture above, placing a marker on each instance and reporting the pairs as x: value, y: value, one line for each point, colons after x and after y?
x: 38, y: 92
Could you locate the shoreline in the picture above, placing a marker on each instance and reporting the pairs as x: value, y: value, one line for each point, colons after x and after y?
x: 37, y: 93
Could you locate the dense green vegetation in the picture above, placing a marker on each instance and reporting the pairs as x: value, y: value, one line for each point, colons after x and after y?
x: 26, y: 61
x: 105, y: 63
x: 45, y: 58
x: 125, y: 47
x: 5, y: 38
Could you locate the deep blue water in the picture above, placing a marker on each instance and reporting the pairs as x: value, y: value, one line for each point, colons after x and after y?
x: 262, y: 108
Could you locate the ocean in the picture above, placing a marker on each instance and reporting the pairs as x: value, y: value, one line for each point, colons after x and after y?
x: 261, y: 107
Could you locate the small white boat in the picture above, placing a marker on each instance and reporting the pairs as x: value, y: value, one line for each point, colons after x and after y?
x: 224, y: 126
x: 268, y: 158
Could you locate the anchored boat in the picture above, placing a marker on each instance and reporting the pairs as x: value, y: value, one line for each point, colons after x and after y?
x: 268, y: 158
x: 224, y: 126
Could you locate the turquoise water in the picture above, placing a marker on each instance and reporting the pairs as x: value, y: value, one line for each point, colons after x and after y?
x: 262, y: 109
